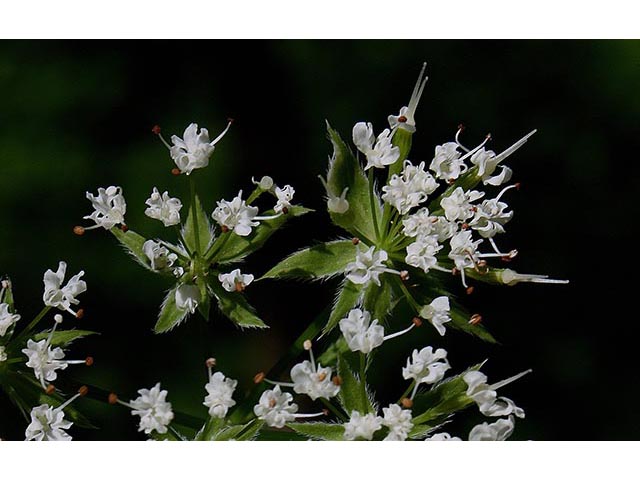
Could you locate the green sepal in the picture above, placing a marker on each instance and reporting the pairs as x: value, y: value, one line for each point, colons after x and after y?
x: 235, y: 306
x: 170, y: 315
x: 316, y: 263
x: 401, y: 139
x: 348, y: 297
x: 205, y: 233
x: 319, y: 430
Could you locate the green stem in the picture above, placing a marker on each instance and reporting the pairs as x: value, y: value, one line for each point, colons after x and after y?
x: 334, y: 410
x: 217, y: 247
x: 254, y: 195
x: 363, y: 374
x: 407, y: 391
x: 32, y: 325
x: 196, y: 228
x: 373, y: 205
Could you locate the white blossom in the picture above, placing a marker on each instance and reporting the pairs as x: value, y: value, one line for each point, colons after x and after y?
x: 284, y: 196
x: 163, y: 208
x: 314, y: 381
x: 187, y: 297
x: 47, y: 424
x: 109, y: 207
x: 275, y: 407
x: 362, y: 426
x: 442, y: 437
x: 379, y: 152
x: 194, y: 150
x: 55, y: 295
x: 437, y: 312
x: 3, y: 354
x: 367, y: 266
x: 426, y: 366
x: 159, y: 256
x: 360, y: 333
x: 154, y: 411
x: 405, y: 119
x: 447, y: 163
x: 463, y: 249
x: 44, y: 360
x: 486, y: 396
x: 7, y: 319
x: 487, y: 162
x: 236, y: 215
x: 235, y: 281
x: 422, y: 252
x: 490, y: 216
x: 398, y: 421
x: 220, y: 391
x: 410, y: 188
x: 497, y: 431
x: 458, y: 205
x: 419, y: 223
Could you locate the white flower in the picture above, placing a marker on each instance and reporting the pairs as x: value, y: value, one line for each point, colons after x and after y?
x: 187, y: 297
x: 422, y: 252
x: 487, y: 161
x: 335, y: 204
x: 313, y: 381
x: 55, y: 295
x: 490, y: 216
x: 405, y: 119
x: 486, y: 396
x: 44, y: 360
x: 284, y: 196
x: 419, y: 223
x: 235, y: 281
x: 426, y: 366
x: 47, y: 424
x: 362, y: 426
x: 410, y: 189
x: 163, y: 208
x: 398, y: 421
x: 457, y: 206
x: 463, y: 249
x: 360, y: 333
x: 379, y: 152
x: 3, y: 354
x: 236, y: 215
x: 195, y: 149
x: 220, y: 391
x: 109, y: 206
x: 7, y: 319
x: 497, y: 431
x: 154, y: 411
x: 447, y: 163
x: 442, y: 437
x: 275, y: 407
x: 158, y: 255
x: 437, y: 312
x: 367, y: 267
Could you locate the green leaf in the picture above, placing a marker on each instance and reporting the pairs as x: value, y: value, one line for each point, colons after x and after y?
x: 211, y: 428
x: 237, y: 247
x: 317, y: 262
x: 460, y: 321
x: 345, y: 172
x: 205, y: 233
x: 333, y: 351
x: 352, y: 395
x: 235, y: 306
x: 401, y: 139
x: 63, y: 338
x: 245, y: 432
x: 348, y: 297
x: 420, y: 431
x: 378, y: 300
x: 319, y: 430
x: 204, y: 305
x: 250, y: 430
x: 170, y: 315
x: 132, y: 243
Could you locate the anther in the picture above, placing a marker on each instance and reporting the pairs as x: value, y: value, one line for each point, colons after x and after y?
x: 80, y: 313
x: 230, y: 120
x: 112, y: 399
x: 475, y: 319
x: 461, y: 127
x: 406, y: 402
x: 488, y: 137
x: 451, y: 181
x: 240, y: 287
x: 402, y: 119
x: 404, y: 275
x: 78, y: 230
x: 224, y: 229
x: 322, y: 376
x: 337, y: 380
x: 464, y: 226
x: 455, y: 271
x: 83, y: 390
x: 272, y: 403
x: 470, y: 290
x: 50, y: 390
x: 325, y: 412
x: 210, y: 362
x: 175, y: 171
x: 124, y: 228
x: 259, y: 377
x: 355, y: 240
x: 417, y: 321
x: 88, y: 361
x: 156, y: 129
x: 517, y: 185
x: 285, y: 210
x: 307, y: 345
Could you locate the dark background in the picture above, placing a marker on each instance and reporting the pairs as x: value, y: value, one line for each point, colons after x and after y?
x: 77, y: 115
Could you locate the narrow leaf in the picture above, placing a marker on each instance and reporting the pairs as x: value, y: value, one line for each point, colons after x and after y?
x: 205, y: 233
x: 235, y: 306
x: 319, y: 430
x: 378, y: 300
x: 132, y: 243
x: 63, y: 338
x: 348, y: 298
x: 170, y: 315
x: 317, y: 262
x: 352, y: 395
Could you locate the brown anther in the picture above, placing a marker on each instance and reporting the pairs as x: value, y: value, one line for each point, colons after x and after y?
x: 50, y: 389
x: 464, y: 226
x: 112, y: 399
x: 272, y: 403
x: 506, y: 258
x: 337, y: 380
x: 83, y: 390
x: 124, y: 228
x: 156, y: 129
x: 80, y: 313
x: 517, y: 185
x: 322, y: 376
x: 259, y: 377
x: 285, y: 210
x: 488, y: 137
x: 240, y: 287
x: 455, y: 271
x: 307, y: 345
x: 474, y: 209
x: 470, y: 290
x: 78, y: 230
x: 402, y: 119
x: 88, y: 361
x: 176, y: 171
x: 224, y: 229
x: 404, y: 275
x: 481, y: 263
x: 406, y: 402
x: 417, y: 321
x: 461, y: 127
x: 475, y: 319
x: 451, y: 181
x: 230, y: 120
x: 325, y: 412
x: 355, y: 240
x: 210, y: 362
x: 434, y: 220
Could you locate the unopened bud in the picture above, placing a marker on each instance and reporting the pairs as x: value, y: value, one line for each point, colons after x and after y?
x: 88, y: 361
x: 475, y: 319
x: 112, y: 399
x: 406, y: 402
x: 337, y: 380
x: 211, y: 362
x: 355, y: 240
x: 156, y: 129
x: 417, y: 321
x: 307, y: 345
x: 259, y: 377
x: 78, y: 230
x: 83, y: 390
x: 50, y: 390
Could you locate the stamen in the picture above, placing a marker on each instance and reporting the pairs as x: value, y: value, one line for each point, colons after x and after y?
x: 268, y: 217
x: 417, y: 90
x: 509, y: 380
x: 417, y: 321
x: 402, y: 119
x: 468, y: 154
x: 306, y: 415
x: 50, y: 390
x: 112, y: 399
x: 413, y: 393
x: 322, y: 376
x: 78, y: 230
x: 505, y: 189
x: 123, y: 227
x: 240, y: 287
x: 404, y: 275
x: 470, y: 290
x: 282, y: 384
x: 355, y: 240
x: 68, y: 402
x: 157, y: 130
x: 217, y: 139
x: 210, y: 363
x: 80, y: 313
x: 460, y: 130
x: 337, y: 380
x: 307, y: 346
x: 401, y: 332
